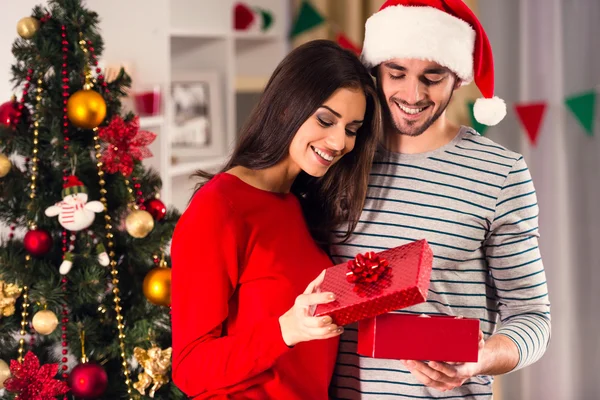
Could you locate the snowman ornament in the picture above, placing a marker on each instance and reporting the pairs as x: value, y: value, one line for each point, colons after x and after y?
x: 75, y: 214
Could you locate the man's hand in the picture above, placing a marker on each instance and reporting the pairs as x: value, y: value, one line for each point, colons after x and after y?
x: 446, y: 376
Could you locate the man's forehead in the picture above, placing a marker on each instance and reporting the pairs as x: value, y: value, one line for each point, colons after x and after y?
x: 414, y: 65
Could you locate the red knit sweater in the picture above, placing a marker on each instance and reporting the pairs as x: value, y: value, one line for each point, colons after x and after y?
x: 240, y: 256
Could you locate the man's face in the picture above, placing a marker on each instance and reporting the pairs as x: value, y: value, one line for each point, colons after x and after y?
x: 416, y: 93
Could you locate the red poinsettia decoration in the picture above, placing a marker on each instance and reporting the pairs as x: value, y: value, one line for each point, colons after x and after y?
x: 31, y: 382
x: 125, y: 144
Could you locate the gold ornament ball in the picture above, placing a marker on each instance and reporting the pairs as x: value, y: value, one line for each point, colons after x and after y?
x: 157, y: 286
x: 5, y: 165
x: 4, y: 373
x: 139, y: 223
x: 86, y: 109
x: 27, y: 27
x: 45, y: 322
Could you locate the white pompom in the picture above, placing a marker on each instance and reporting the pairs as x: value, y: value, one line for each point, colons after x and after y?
x: 489, y: 111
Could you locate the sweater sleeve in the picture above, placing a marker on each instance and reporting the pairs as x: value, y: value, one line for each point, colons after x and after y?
x: 206, y: 252
x: 516, y: 267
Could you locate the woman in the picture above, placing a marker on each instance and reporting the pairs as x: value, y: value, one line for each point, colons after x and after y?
x: 245, y: 251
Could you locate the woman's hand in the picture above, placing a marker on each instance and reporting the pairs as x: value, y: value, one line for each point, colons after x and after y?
x: 298, y: 326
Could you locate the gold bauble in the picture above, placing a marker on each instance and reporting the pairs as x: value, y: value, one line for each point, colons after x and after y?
x: 157, y: 286
x: 139, y: 223
x: 86, y: 109
x: 44, y: 322
x: 4, y: 373
x: 5, y: 165
x: 27, y: 27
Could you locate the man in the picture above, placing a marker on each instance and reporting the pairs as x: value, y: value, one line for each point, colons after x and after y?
x: 472, y: 199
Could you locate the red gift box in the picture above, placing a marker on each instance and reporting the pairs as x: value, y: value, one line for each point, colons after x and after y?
x: 424, y: 338
x: 377, y: 283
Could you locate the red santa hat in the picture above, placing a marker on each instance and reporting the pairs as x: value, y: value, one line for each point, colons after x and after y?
x: 444, y: 31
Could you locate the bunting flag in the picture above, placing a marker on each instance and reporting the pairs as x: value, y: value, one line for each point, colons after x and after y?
x: 583, y: 107
x: 308, y: 18
x: 346, y: 43
x: 267, y: 19
x: 480, y: 128
x: 531, y: 115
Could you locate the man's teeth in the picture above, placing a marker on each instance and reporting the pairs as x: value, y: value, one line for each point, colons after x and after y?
x: 412, y: 111
x: 323, y: 155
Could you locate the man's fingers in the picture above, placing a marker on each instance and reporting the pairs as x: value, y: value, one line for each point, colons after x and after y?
x: 426, y: 370
x: 423, y: 378
x: 315, y: 283
x: 444, y: 368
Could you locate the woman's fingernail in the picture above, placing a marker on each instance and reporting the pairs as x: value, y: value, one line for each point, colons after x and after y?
x: 326, y: 320
x: 331, y: 296
x: 340, y: 329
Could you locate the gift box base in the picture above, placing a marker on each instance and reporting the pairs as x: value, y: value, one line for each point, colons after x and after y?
x: 413, y: 337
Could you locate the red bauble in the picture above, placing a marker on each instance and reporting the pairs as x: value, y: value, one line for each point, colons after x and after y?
x: 9, y: 112
x: 37, y: 242
x: 88, y: 381
x: 156, y: 208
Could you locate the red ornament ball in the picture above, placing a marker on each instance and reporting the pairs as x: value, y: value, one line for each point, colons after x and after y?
x: 88, y: 380
x: 9, y: 113
x: 37, y: 242
x: 156, y: 208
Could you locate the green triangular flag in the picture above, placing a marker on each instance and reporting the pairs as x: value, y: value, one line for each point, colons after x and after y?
x: 583, y: 106
x: 307, y: 19
x: 480, y: 128
x: 267, y: 19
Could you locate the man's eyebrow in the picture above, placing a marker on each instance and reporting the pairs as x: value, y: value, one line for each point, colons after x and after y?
x: 395, y: 66
x: 436, y: 70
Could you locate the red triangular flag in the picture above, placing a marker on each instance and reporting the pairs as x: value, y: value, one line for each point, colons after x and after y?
x: 531, y: 115
x: 243, y: 17
x: 346, y: 43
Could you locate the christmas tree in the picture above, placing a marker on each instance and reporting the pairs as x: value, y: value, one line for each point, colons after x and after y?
x: 84, y: 278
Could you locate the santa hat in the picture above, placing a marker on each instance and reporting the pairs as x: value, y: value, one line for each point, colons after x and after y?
x: 444, y: 31
x: 72, y: 186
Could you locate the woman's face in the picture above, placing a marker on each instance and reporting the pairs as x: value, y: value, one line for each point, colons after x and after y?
x: 329, y: 133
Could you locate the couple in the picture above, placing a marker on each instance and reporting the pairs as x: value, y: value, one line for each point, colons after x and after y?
x: 331, y: 165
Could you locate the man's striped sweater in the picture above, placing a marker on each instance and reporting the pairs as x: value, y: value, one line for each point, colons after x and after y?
x: 475, y: 203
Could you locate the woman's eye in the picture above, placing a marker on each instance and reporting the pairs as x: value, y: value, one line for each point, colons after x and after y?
x: 350, y: 132
x: 392, y: 76
x: 323, y: 122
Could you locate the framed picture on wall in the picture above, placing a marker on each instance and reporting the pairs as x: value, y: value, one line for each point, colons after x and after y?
x: 197, y: 116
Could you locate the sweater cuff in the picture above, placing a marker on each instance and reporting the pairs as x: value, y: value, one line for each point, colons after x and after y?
x: 273, y: 338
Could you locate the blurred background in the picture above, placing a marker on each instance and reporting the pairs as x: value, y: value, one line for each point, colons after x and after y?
x: 198, y: 67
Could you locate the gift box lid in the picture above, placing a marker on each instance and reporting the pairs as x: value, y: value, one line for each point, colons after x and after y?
x: 405, y: 284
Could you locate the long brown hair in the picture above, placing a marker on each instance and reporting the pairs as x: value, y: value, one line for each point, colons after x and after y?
x: 301, y: 83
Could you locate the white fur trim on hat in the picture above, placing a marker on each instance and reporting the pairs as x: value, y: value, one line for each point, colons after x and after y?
x: 420, y: 32
x: 489, y: 111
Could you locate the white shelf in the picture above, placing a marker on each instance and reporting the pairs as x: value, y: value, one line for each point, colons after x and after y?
x: 193, y: 34
x: 152, y: 121
x: 252, y: 35
x: 189, y: 168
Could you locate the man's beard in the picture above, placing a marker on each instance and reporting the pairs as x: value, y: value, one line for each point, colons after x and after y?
x: 419, y: 130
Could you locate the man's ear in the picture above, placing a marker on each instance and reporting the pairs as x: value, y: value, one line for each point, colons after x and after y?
x: 457, y: 83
